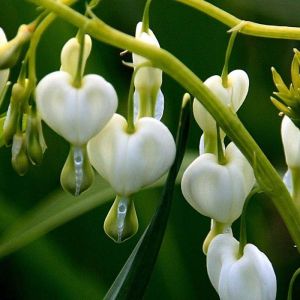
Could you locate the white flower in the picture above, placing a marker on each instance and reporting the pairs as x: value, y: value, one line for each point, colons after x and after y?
x: 3, y: 73
x: 147, y: 80
x: 77, y: 114
x: 290, y: 135
x: 249, y: 277
x: 130, y: 161
x: 233, y: 96
x: 70, y: 54
x: 218, y: 190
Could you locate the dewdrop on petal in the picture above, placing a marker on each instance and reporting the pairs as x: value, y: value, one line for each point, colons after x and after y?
x: 248, y: 277
x: 147, y: 80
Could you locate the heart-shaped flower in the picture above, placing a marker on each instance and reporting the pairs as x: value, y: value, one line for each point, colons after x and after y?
x: 218, y: 190
x: 248, y: 277
x: 233, y: 96
x: 130, y: 161
x: 77, y: 114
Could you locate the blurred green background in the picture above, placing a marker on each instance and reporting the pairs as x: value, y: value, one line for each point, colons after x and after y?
x: 77, y: 260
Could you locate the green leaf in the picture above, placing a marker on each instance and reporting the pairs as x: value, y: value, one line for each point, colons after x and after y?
x: 58, y: 209
x: 1, y: 131
x: 132, y: 280
x: 71, y: 283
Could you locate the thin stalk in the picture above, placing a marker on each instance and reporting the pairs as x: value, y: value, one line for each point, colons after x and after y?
x: 248, y: 28
x: 227, y: 57
x: 267, y: 177
x: 291, y: 285
x: 145, y: 26
x: 78, y: 76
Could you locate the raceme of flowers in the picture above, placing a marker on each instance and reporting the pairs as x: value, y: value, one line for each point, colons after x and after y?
x: 216, y: 184
x: 82, y: 109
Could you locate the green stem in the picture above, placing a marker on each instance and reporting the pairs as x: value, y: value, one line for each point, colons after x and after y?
x: 221, y: 156
x: 227, y: 57
x: 145, y: 26
x: 267, y: 177
x: 78, y: 76
x: 243, y: 227
x: 248, y: 28
x: 33, y: 46
x: 130, y: 105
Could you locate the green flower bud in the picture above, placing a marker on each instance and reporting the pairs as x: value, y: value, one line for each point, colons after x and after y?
x: 19, y: 159
x: 14, y: 113
x: 77, y: 174
x: 121, y: 222
x: 36, y: 145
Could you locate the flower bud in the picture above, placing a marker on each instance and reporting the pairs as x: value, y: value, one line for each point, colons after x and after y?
x: 233, y: 96
x: 19, y: 159
x: 290, y: 135
x: 147, y: 80
x: 121, y: 222
x: 77, y: 114
x: 130, y: 161
x: 250, y: 276
x: 15, y: 111
x: 77, y: 174
x: 218, y: 190
x: 36, y: 145
x: 70, y: 54
x: 10, y: 51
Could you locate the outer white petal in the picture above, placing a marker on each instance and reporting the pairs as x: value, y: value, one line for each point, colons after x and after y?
x: 159, y: 105
x: 130, y: 161
x: 146, y: 77
x: 249, y: 278
x: 70, y: 53
x: 238, y: 82
x: 202, y: 116
x: 3, y: 73
x: 77, y: 114
x: 222, y: 250
x: 290, y: 135
x: 233, y: 96
x: 218, y: 191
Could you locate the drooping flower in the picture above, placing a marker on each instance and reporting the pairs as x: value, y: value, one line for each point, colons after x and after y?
x: 233, y: 96
x: 248, y: 277
x: 130, y: 161
x: 148, y: 98
x: 77, y: 114
x: 218, y: 190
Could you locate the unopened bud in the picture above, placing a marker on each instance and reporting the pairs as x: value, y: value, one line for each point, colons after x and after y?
x: 36, y: 145
x: 19, y: 159
x: 121, y: 222
x: 14, y: 112
x: 10, y: 51
x: 77, y: 174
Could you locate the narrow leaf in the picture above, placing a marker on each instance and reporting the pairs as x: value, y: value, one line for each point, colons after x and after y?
x: 132, y: 280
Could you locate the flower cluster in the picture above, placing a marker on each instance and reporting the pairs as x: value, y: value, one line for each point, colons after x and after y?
x: 217, y: 184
